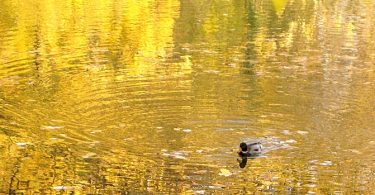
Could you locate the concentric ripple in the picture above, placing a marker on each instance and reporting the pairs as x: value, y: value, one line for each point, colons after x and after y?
x: 118, y: 97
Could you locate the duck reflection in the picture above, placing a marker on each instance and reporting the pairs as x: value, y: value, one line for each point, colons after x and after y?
x: 242, y: 162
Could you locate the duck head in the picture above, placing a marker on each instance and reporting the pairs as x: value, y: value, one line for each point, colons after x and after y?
x: 243, y: 147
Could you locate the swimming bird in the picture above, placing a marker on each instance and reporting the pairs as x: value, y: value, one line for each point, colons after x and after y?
x: 251, y: 149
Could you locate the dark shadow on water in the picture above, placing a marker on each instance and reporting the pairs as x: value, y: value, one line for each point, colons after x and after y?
x: 242, y: 162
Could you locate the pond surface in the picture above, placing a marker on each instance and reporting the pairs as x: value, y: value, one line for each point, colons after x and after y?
x: 126, y: 96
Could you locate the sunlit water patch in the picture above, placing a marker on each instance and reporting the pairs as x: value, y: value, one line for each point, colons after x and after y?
x: 108, y: 97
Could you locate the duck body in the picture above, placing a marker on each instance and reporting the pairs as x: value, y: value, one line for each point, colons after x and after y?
x: 250, y: 149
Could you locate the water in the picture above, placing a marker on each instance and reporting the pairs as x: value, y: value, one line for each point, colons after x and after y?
x: 155, y: 96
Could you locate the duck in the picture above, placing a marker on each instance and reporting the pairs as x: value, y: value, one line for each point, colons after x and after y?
x: 250, y: 149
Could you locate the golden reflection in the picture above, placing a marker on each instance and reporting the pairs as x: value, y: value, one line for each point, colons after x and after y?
x: 154, y: 96
x: 279, y: 5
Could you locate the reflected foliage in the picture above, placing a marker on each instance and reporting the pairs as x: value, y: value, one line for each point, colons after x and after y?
x: 101, y: 97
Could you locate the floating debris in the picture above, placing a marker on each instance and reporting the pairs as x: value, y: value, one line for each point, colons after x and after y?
x: 286, y: 132
x: 52, y: 127
x: 165, y: 154
x: 212, y: 71
x: 199, y: 192
x: 355, y: 151
x: 313, y: 161
x: 290, y: 141
x: 21, y: 144
x: 89, y: 155
x: 177, y: 155
x: 302, y: 132
x: 326, y: 163
x: 187, y: 130
x: 63, y: 188
x: 225, y: 172
x: 310, y: 185
x: 217, y: 187
x: 96, y: 131
x: 201, y: 172
x: 129, y: 139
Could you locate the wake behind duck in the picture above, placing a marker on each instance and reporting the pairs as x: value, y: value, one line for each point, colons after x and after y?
x: 254, y: 148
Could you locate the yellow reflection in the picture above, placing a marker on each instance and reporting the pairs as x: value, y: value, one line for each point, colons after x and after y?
x: 151, y: 31
x: 96, y: 95
x: 67, y: 34
x: 279, y: 5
